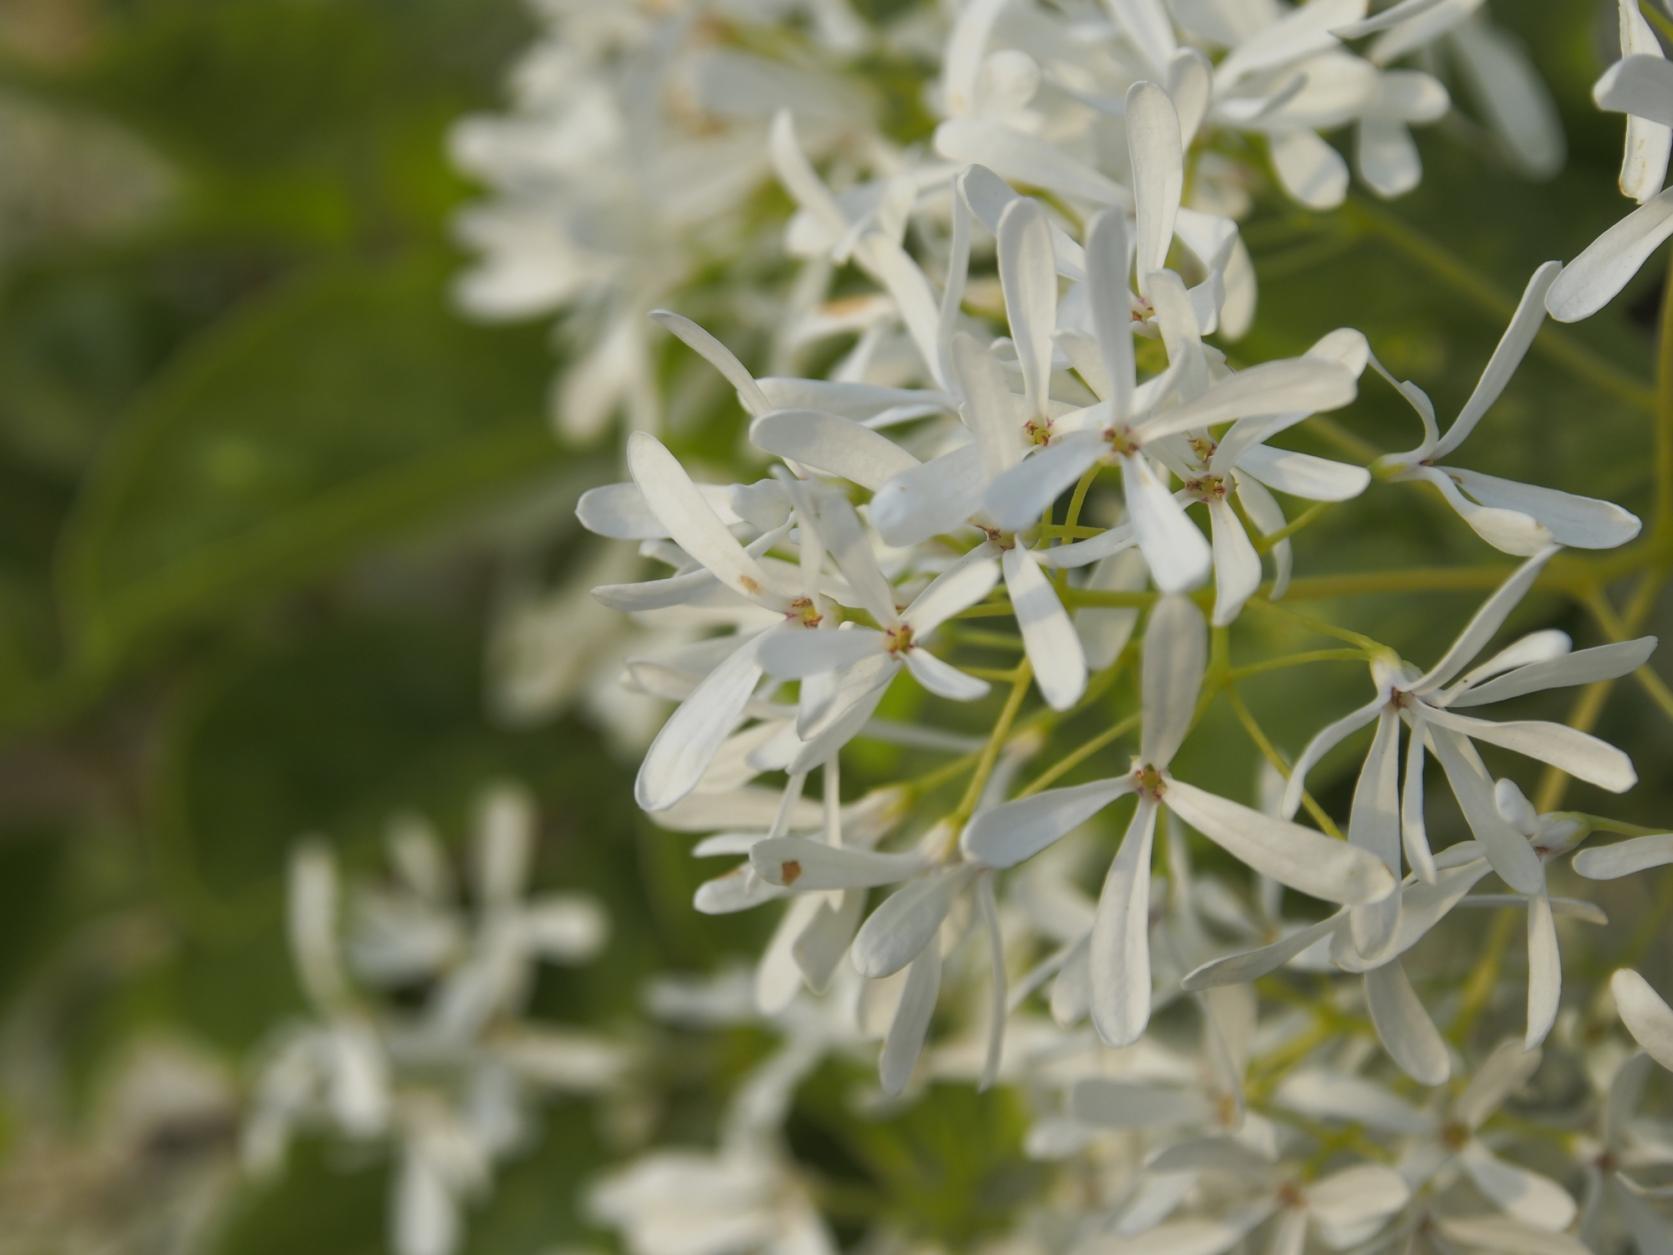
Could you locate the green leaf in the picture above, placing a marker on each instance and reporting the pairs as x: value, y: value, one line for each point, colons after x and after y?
x: 339, y: 410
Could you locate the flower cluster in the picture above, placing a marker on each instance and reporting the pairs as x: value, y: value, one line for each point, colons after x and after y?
x: 418, y: 1040
x: 1004, y: 412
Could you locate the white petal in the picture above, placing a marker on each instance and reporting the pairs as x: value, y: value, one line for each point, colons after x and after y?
x: 717, y: 355
x: 1119, y: 953
x: 1580, y: 754
x: 1355, y: 1195
x: 681, y: 509
x: 1646, y: 1016
x: 1508, y: 850
x: 1014, y: 831
x: 1109, y: 251
x: 832, y: 445
x: 1374, y: 825
x: 935, y: 497
x: 955, y: 589
x: 1572, y: 520
x: 1024, y: 160
x: 989, y: 407
x: 426, y: 1216
x: 1303, y: 475
x: 795, y: 654
x: 1017, y: 498
x: 1507, y: 356
x: 621, y: 512
x: 1175, y: 658
x: 1611, y: 862
x: 1608, y: 263
x: 1153, y: 142
x: 1512, y: 95
x: 1584, y: 666
x: 804, y: 865
x: 1486, y: 622
x: 905, y: 1040
x: 1523, y: 1195
x: 1248, y: 965
x: 1311, y: 171
x: 1325, y: 1093
x: 694, y: 733
x: 1404, y: 1027
x: 1300, y: 385
x: 1028, y: 276
x: 1640, y: 84
x: 1304, y: 860
x: 1237, y: 567
x: 1324, y: 740
x: 1500, y: 1075
x: 1508, y: 531
x: 1178, y: 556
x: 1504, y: 1236
x: 850, y: 547
x: 1048, y: 635
x: 943, y: 679
x: 905, y: 923
x: 1545, y: 973
x: 1387, y: 157
x: 1105, y: 630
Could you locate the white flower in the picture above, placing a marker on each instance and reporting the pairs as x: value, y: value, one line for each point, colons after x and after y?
x: 1639, y: 85
x: 1175, y: 655
x: 1385, y: 819
x: 1515, y: 518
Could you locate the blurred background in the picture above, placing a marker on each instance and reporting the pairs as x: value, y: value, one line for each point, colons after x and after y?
x: 267, y: 499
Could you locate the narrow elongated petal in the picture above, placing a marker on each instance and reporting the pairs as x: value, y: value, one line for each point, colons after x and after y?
x: 1571, y: 520
x: 943, y: 679
x: 905, y: 1040
x: 1324, y: 740
x: 1304, y: 860
x: 955, y: 589
x: 1303, y: 475
x: 796, y: 654
x: 1018, y: 497
x: 694, y: 733
x: 1545, y: 972
x: 1646, y: 1016
x: 1485, y: 623
x: 989, y: 408
x: 1374, y: 826
x: 1640, y: 84
x: 1109, y: 257
x: 1299, y: 385
x: 681, y: 509
x: 1508, y: 850
x: 1120, y: 946
x: 1580, y: 754
x: 1625, y: 858
x: 1311, y: 171
x: 1237, y: 567
x: 1507, y: 356
x: 1508, y: 531
x: 1248, y: 965
x: 1608, y: 263
x: 905, y: 923
x: 1523, y: 1195
x: 1047, y: 633
x: 1178, y: 556
x: 621, y: 512
x: 1387, y: 156
x: 832, y: 445
x: 1153, y: 142
x: 1414, y: 833
x: 1644, y: 158
x: 1012, y: 832
x: 936, y: 497
x: 1028, y: 277
x: 1584, y: 666
x: 842, y: 532
x: 1175, y: 657
x: 1404, y: 1027
x: 1358, y: 1194
x: 717, y: 355
x: 804, y: 865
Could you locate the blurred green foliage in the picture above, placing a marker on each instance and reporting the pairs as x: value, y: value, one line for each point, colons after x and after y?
x: 252, y: 469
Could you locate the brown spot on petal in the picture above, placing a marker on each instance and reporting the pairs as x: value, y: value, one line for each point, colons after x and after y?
x: 790, y: 872
x: 749, y: 583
